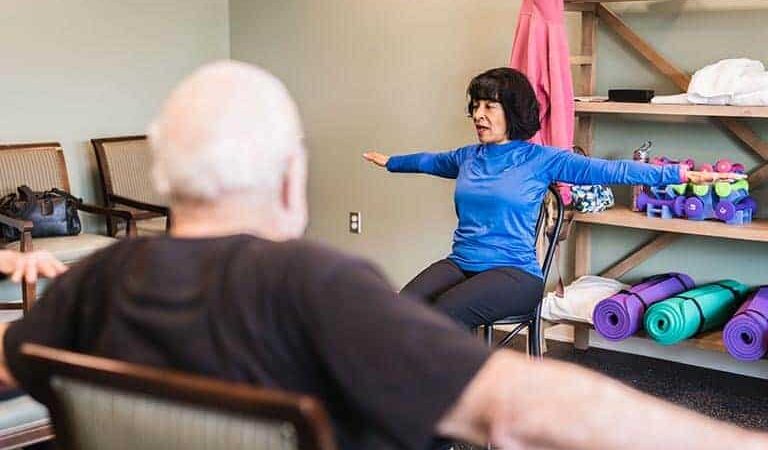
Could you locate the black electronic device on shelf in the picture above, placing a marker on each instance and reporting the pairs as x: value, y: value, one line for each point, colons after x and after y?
x: 630, y: 95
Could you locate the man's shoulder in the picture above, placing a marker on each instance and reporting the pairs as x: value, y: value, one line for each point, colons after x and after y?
x: 312, y: 256
x: 300, y: 263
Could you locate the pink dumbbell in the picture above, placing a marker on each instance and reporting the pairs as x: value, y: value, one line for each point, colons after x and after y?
x: 724, y: 166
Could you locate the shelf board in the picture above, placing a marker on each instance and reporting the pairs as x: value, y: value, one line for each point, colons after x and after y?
x: 670, y: 110
x: 708, y: 340
x: 621, y: 216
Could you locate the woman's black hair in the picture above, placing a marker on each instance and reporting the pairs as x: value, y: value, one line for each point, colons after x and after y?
x: 515, y: 93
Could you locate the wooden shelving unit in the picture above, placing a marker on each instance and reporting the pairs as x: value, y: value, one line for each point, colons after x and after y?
x: 669, y: 230
x: 671, y: 110
x: 621, y: 216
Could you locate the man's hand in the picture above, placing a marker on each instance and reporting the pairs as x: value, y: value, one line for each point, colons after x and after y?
x: 28, y: 266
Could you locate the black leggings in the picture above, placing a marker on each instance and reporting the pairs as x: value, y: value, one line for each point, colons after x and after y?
x: 476, y: 298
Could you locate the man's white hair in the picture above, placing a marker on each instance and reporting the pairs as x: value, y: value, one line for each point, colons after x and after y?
x: 228, y: 127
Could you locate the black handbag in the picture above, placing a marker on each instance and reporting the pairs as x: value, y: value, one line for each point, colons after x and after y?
x: 53, y: 213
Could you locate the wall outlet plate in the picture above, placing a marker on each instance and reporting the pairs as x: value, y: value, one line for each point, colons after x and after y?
x: 355, y: 222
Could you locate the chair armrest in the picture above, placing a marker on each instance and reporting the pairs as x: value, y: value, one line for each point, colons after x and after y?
x: 93, y: 209
x: 125, y: 201
x: 21, y: 225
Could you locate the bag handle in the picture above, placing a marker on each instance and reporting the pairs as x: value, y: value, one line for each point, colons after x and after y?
x: 27, y: 196
x: 66, y: 194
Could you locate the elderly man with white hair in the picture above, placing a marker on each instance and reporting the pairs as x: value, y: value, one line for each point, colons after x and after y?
x: 235, y: 293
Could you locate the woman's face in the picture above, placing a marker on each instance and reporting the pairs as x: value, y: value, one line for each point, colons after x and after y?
x: 490, y: 122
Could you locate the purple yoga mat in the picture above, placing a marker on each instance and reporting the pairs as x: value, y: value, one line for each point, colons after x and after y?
x: 621, y: 315
x: 746, y: 335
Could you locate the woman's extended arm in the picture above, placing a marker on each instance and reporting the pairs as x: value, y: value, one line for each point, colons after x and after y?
x: 443, y: 164
x: 577, y: 169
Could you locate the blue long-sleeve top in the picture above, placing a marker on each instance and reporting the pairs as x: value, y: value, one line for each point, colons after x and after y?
x: 499, y: 190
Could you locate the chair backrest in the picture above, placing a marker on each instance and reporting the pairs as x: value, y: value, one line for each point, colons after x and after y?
x: 550, y: 224
x: 98, y: 403
x: 40, y: 166
x: 125, y: 165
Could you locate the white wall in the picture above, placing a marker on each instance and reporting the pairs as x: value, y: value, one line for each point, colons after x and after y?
x: 73, y: 70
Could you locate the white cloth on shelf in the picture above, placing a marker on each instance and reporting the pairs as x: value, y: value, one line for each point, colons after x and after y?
x: 739, y: 82
x: 579, y: 299
x: 677, y: 99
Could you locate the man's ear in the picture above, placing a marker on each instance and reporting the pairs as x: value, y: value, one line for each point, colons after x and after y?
x: 287, y: 183
x: 293, y: 184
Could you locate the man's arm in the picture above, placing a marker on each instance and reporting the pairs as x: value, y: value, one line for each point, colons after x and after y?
x: 24, y: 266
x: 517, y: 403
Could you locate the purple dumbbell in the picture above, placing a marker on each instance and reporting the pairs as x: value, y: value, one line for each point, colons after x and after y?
x: 726, y: 210
x: 642, y: 201
x: 677, y: 204
x: 694, y: 208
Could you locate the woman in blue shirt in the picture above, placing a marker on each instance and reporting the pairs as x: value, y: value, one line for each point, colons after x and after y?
x: 492, y: 271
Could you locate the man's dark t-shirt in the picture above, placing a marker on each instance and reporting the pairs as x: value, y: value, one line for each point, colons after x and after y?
x: 292, y: 315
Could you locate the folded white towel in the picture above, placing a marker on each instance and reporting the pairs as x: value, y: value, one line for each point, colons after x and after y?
x: 579, y: 299
x: 677, y: 99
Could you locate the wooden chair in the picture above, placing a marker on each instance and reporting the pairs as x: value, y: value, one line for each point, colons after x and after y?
x: 23, y: 422
x: 41, y: 166
x: 98, y: 403
x: 125, y: 165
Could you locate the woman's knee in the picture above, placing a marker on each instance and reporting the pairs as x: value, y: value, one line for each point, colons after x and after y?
x: 467, y: 315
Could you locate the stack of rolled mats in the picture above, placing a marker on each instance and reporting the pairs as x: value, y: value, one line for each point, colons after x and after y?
x: 746, y: 334
x: 689, y: 313
x: 621, y: 315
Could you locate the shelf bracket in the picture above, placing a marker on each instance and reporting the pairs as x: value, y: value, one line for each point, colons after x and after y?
x: 681, y: 79
x: 640, y: 255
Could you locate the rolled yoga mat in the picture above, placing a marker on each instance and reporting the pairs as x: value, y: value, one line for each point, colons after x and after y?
x: 746, y: 335
x: 685, y: 315
x: 621, y: 315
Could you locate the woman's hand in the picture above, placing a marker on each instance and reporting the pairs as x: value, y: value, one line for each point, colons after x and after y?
x: 377, y: 158
x: 696, y: 177
x: 27, y: 266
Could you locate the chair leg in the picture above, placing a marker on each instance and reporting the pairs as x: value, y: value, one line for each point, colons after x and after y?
x: 534, y: 339
x: 488, y: 332
x: 111, y: 228
x: 28, y: 292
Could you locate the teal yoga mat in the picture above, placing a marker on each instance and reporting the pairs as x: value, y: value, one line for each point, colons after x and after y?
x: 691, y: 312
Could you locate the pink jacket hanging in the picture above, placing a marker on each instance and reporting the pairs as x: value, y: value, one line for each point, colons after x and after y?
x: 540, y: 51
